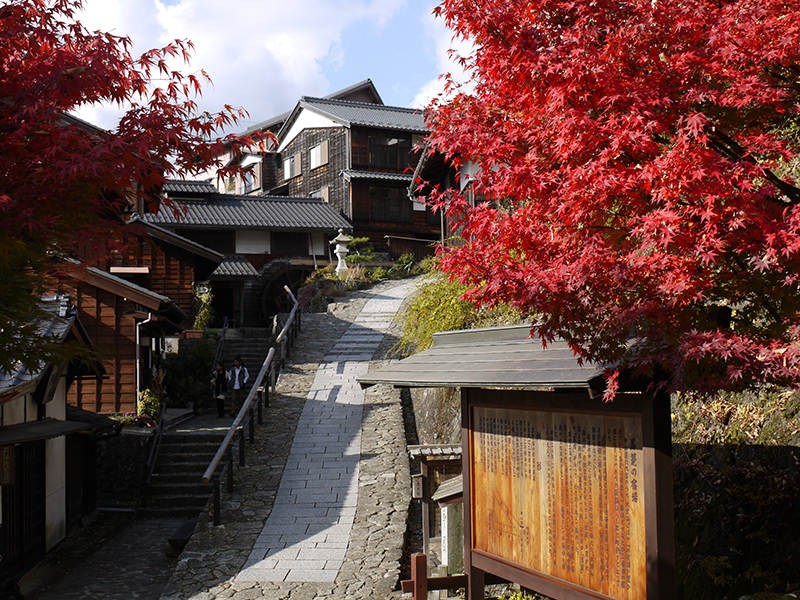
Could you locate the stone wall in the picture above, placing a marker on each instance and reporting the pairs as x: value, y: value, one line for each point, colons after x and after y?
x: 120, y: 466
x: 438, y: 415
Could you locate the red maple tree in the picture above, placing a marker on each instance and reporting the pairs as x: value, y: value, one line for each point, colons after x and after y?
x: 65, y: 183
x: 638, y: 159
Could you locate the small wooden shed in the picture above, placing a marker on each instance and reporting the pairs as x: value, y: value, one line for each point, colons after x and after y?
x: 564, y: 494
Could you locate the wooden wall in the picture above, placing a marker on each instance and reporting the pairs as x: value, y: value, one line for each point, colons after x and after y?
x: 326, y: 175
x: 114, y: 336
x: 169, y: 275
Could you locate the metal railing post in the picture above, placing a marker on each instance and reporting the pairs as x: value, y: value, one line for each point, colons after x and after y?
x: 241, y: 445
x: 230, y: 470
x: 260, y: 404
x: 217, y: 518
x: 252, y: 426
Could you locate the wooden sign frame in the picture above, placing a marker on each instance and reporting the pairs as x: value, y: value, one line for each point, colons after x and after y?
x: 538, y: 538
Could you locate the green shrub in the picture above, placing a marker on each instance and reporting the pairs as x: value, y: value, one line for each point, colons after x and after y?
x: 357, y: 259
x: 204, y: 313
x: 149, y: 403
x: 378, y: 273
x: 187, y: 373
x: 438, y: 305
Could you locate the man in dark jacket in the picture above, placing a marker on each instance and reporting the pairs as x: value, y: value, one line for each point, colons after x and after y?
x: 237, y: 378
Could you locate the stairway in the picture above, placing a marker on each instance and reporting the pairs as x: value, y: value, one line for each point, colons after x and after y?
x: 175, y: 490
x: 251, y: 344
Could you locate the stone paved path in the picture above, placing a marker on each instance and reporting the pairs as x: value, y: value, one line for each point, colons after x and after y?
x: 320, y: 509
x: 308, y: 531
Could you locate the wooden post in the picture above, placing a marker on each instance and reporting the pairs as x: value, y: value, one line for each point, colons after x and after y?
x: 426, y: 506
x: 419, y: 575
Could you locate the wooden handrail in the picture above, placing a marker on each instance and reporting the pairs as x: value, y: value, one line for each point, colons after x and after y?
x: 292, y: 313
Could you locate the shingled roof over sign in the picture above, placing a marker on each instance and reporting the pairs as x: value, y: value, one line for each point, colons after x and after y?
x: 235, y: 266
x: 254, y: 212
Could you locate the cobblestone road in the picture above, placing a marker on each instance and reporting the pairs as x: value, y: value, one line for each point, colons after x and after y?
x: 320, y: 509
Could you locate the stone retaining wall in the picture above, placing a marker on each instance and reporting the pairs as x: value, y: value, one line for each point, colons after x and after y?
x: 120, y: 466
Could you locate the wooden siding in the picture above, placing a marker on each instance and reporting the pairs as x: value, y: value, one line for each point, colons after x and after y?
x: 364, y: 226
x: 114, y: 336
x: 168, y: 275
x: 326, y: 175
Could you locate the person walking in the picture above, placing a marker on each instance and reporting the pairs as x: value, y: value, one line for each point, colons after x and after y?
x: 219, y: 382
x: 237, y: 378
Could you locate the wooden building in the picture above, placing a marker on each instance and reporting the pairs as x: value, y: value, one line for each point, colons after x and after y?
x: 266, y: 241
x: 360, y: 158
x: 127, y: 324
x: 167, y: 264
x: 356, y: 154
x: 47, y: 467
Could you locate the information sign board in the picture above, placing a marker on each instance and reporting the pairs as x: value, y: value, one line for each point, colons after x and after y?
x: 560, y: 494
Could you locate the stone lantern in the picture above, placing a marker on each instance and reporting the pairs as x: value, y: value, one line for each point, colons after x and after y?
x: 341, y: 251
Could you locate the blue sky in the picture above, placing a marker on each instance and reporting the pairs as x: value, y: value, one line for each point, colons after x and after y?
x: 264, y: 55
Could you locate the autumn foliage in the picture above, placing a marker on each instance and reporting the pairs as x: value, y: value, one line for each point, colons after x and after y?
x: 638, y: 159
x: 65, y: 185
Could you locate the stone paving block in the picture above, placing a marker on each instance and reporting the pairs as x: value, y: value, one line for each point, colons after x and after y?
x: 326, y: 554
x: 306, y: 565
x: 308, y: 575
x: 253, y: 574
x: 282, y: 554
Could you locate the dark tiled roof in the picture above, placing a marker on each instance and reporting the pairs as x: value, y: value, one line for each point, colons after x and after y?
x: 56, y: 327
x: 261, y: 212
x: 235, y: 265
x: 274, y: 124
x: 402, y: 177
x: 175, y: 186
x: 369, y: 115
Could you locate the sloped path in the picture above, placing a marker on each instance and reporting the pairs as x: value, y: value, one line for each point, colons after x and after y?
x: 320, y: 509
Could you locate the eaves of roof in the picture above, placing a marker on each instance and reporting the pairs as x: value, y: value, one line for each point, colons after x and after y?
x: 227, y: 211
x: 179, y: 241
x: 57, y: 327
x: 500, y: 357
x: 148, y: 299
x: 234, y: 266
x: 348, y: 113
x: 177, y: 186
x: 350, y: 174
x: 369, y: 115
x: 275, y: 123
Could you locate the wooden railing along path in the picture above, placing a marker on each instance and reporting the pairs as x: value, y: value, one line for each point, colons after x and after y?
x: 245, y: 418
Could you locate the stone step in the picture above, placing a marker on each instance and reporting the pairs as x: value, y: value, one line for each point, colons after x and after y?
x: 193, y: 439
x: 174, y: 467
x: 169, y: 512
x: 160, y: 479
x: 167, y: 489
x: 179, y: 501
x: 181, y: 448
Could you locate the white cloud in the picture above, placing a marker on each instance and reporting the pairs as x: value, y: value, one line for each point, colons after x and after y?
x: 260, y: 55
x: 441, y: 41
